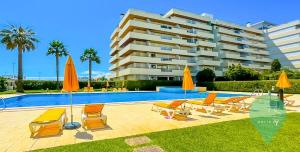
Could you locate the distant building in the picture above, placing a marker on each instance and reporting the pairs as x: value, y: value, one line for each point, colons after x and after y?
x: 283, y: 42
x: 147, y: 46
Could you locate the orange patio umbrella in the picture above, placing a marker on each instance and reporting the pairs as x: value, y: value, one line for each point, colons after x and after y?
x: 187, y: 83
x: 70, y: 85
x: 282, y: 83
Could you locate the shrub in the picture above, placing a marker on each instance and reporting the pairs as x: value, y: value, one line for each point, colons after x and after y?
x: 205, y: 75
x: 270, y: 75
x: 275, y: 66
x: 250, y: 86
x: 150, y: 84
x: 2, y: 84
x: 240, y: 73
x: 130, y: 85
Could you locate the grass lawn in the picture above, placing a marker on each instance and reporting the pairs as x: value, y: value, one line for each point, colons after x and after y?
x: 238, y: 135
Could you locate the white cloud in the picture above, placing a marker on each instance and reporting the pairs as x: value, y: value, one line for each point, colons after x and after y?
x: 96, y: 74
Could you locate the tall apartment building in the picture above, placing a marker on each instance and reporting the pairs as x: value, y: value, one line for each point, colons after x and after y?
x: 147, y: 46
x: 283, y: 42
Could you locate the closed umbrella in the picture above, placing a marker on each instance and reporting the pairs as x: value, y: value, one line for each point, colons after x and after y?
x: 123, y: 84
x: 282, y: 83
x: 187, y: 83
x: 70, y: 85
x: 107, y: 84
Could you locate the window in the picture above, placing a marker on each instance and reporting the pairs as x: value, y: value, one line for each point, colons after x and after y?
x: 166, y: 27
x: 239, y: 39
x: 192, y: 40
x: 153, y: 66
x: 166, y: 48
x: 153, y: 55
x: 192, y: 31
x: 191, y: 21
x: 166, y: 37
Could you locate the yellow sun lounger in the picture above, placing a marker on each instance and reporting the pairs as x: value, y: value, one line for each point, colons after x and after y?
x: 49, y: 123
x: 234, y: 104
x: 92, y: 117
x: 172, y: 110
x: 288, y: 102
x: 207, y: 105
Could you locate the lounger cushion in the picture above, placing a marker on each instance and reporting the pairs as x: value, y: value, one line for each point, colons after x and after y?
x: 50, y: 115
x: 93, y: 109
x: 161, y: 104
x: 195, y: 102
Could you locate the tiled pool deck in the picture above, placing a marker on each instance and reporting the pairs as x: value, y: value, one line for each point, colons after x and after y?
x: 123, y: 120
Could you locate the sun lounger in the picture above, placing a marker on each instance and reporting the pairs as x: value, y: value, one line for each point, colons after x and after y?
x: 234, y: 104
x: 49, y: 123
x: 92, y: 117
x: 206, y: 105
x: 288, y: 102
x: 202, y: 89
x: 173, y: 109
x: 88, y: 89
x: 103, y: 90
x: 124, y: 89
x: 119, y: 89
x: 114, y: 89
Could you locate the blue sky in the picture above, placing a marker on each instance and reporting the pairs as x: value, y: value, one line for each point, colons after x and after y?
x: 82, y: 24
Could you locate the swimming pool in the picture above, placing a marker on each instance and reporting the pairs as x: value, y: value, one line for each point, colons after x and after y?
x: 34, y: 100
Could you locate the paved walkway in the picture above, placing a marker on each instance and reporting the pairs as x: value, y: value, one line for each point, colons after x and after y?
x: 123, y: 120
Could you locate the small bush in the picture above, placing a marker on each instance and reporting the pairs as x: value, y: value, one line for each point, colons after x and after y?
x: 205, y: 75
x: 2, y: 84
x: 240, y: 73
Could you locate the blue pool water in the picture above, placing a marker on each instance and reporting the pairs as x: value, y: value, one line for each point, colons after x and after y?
x: 86, y: 98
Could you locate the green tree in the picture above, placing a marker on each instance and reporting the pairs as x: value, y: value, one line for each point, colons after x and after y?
x: 24, y: 40
x: 206, y: 75
x: 275, y: 66
x: 238, y: 73
x: 90, y: 55
x: 57, y: 49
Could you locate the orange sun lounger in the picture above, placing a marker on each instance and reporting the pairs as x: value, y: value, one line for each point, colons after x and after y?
x: 92, y: 117
x: 49, y: 123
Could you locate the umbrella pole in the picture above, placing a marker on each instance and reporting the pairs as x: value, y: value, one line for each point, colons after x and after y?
x: 71, y: 107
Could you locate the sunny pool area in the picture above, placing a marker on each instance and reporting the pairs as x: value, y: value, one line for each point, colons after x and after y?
x: 123, y: 120
x: 36, y: 100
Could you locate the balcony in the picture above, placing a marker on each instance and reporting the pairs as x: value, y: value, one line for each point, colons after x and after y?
x: 154, y: 49
x: 158, y: 38
x: 166, y: 70
x: 147, y: 71
x: 113, y: 59
x: 209, y: 62
x: 164, y: 28
x: 143, y: 59
x: 114, y: 42
x: 207, y: 53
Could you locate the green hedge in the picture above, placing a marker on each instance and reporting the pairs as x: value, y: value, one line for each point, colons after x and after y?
x: 130, y: 85
x: 238, y: 86
x: 2, y: 84
x: 150, y: 84
x: 250, y: 86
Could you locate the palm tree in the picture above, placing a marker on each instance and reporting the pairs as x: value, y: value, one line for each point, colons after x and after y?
x: 58, y: 49
x: 24, y: 40
x: 90, y: 55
